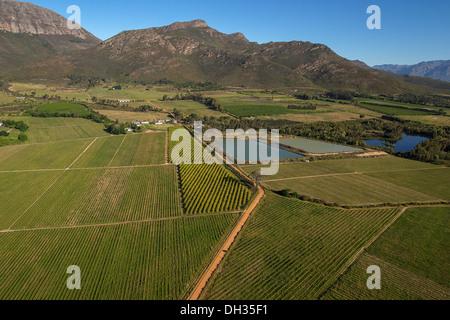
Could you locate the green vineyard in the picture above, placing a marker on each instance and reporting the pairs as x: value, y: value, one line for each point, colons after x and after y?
x: 150, y: 260
x: 81, y: 197
x: 294, y: 250
x: 211, y: 188
x: 208, y: 188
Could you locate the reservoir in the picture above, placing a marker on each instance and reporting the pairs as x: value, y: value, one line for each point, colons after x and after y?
x: 314, y: 146
x: 406, y: 144
x: 251, y: 146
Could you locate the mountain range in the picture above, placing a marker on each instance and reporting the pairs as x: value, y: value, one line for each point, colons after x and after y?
x: 438, y: 69
x: 35, y: 43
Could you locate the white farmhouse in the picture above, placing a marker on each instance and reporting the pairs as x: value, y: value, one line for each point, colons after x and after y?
x: 124, y: 100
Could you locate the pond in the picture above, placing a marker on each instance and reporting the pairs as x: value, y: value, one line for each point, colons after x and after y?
x: 252, y: 151
x: 406, y: 144
x: 319, y: 147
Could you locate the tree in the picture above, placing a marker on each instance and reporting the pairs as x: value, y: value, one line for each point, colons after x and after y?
x: 257, y: 177
x: 23, y: 137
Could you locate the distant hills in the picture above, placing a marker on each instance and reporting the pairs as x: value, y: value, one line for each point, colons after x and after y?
x: 438, y: 69
x: 36, y: 44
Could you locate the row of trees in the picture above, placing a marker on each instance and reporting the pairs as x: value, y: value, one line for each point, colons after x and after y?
x: 145, y: 108
x: 90, y: 115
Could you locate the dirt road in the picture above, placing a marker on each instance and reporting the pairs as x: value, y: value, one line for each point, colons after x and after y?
x: 225, y: 247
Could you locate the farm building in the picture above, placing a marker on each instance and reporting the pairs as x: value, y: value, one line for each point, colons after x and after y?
x: 124, y: 100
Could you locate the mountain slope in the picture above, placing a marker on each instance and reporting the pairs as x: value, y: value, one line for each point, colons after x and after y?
x: 30, y: 33
x: 439, y: 69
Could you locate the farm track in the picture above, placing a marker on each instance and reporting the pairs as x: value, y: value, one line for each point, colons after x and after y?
x: 118, y: 223
x: 356, y: 256
x: 225, y: 247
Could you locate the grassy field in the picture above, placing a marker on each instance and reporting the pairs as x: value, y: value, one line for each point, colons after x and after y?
x: 63, y: 108
x: 5, y: 98
x: 83, y: 197
x: 353, y: 190
x: 53, y: 155
x: 293, y: 250
x: 413, y: 258
x: 261, y: 110
x: 152, y: 260
x: 434, y: 119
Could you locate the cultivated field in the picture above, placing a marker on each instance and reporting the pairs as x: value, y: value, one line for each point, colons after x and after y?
x: 131, y: 116
x: 81, y: 197
x: 100, y: 153
x: 188, y: 107
x: 141, y: 149
x: 58, y: 129
x: 140, y: 227
x: 361, y: 181
x: 149, y: 260
x: 353, y: 189
x: 432, y: 182
x: 413, y: 258
x: 293, y: 250
x: 18, y: 191
x: 211, y: 188
x: 63, y: 108
x: 361, y: 165
x: 52, y: 155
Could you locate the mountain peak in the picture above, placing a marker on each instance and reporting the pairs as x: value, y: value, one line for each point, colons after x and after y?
x: 28, y: 18
x: 185, y: 25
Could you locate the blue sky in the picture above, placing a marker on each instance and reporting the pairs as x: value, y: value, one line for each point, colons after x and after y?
x: 412, y: 31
